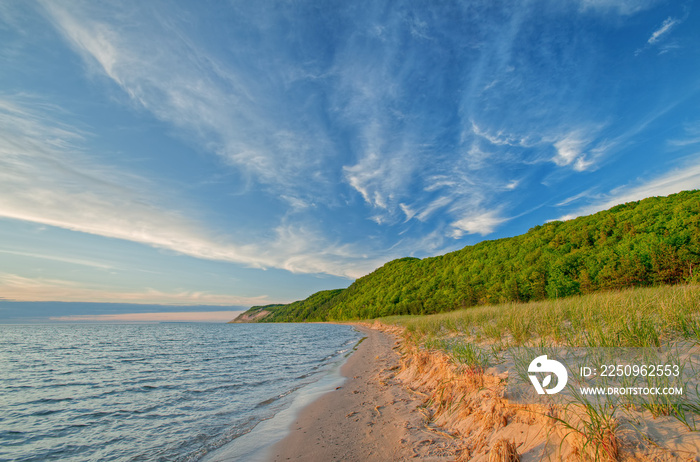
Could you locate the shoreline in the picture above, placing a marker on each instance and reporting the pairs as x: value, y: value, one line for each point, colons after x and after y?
x: 255, y: 445
x: 371, y: 417
x: 396, y: 401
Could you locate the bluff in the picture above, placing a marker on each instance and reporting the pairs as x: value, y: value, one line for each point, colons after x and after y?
x: 649, y: 242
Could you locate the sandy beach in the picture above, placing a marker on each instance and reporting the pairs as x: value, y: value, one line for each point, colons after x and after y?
x: 372, y: 417
x: 421, y: 406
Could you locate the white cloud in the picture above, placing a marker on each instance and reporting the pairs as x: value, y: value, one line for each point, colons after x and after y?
x: 433, y: 243
x: 668, y: 47
x: 692, y: 135
x: 439, y: 181
x: 297, y: 203
x: 664, y: 29
x: 224, y: 108
x: 579, y: 148
x: 481, y: 222
x: 437, y: 204
x: 45, y: 177
x: 410, y: 213
x: 19, y: 288
x: 574, y: 198
x: 574, y: 148
x: 621, y: 7
x: 670, y: 183
x: 660, y: 35
x: 500, y: 138
x: 72, y: 261
x: 569, y: 149
x: 381, y: 179
x: 303, y: 250
x: 363, y: 175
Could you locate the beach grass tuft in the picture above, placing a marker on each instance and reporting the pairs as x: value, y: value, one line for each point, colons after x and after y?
x: 503, y: 450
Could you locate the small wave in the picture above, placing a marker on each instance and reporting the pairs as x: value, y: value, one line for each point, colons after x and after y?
x: 131, y: 360
x: 278, y: 397
x: 133, y: 412
x: 99, y: 414
x: 70, y: 384
x: 266, y: 402
x: 49, y: 400
x: 11, y: 435
x: 227, y: 387
x: 17, y: 387
x: 45, y: 412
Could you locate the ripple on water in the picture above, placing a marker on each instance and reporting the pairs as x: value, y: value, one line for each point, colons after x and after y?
x: 150, y: 392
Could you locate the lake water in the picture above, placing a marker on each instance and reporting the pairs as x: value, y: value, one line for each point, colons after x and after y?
x: 153, y: 392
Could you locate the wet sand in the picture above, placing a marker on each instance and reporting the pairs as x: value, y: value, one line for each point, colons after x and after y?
x: 372, y: 417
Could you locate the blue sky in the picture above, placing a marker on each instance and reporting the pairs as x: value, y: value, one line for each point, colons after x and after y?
x: 240, y: 153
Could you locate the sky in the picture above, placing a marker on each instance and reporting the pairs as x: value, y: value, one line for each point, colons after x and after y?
x: 223, y: 154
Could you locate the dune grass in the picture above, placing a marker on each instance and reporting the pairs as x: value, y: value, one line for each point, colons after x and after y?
x: 639, y: 317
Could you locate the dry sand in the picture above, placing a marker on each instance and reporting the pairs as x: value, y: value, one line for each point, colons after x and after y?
x: 372, y: 417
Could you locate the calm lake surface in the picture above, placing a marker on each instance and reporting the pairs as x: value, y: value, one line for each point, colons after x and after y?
x: 152, y: 392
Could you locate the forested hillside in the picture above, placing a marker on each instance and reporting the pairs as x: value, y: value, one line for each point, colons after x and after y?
x: 314, y: 308
x: 643, y: 243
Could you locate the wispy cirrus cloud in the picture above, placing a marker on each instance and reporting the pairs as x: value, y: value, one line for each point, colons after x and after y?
x: 380, y: 178
x: 571, y: 150
x: 482, y: 222
x: 665, y: 28
x: 680, y: 179
x: 661, y: 34
x: 522, y: 112
x: 47, y: 177
x: 410, y: 163
x: 19, y: 288
x: 621, y: 7
x: 502, y: 138
x: 62, y: 259
x: 691, y: 135
x: 258, y: 126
